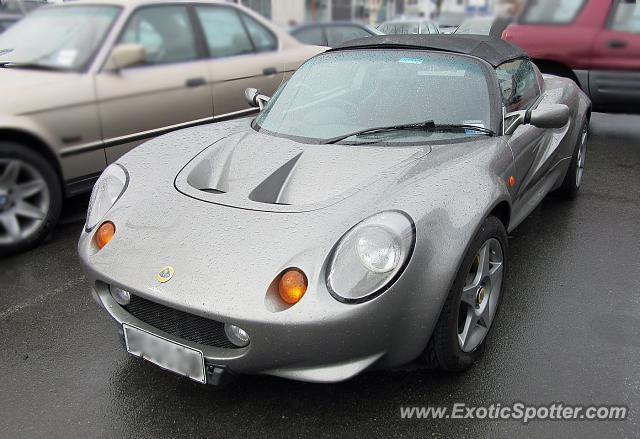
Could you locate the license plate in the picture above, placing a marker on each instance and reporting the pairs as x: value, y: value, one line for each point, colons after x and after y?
x: 167, y: 354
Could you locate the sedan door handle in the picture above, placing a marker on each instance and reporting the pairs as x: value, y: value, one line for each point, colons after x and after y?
x: 617, y: 44
x: 269, y: 71
x: 195, y: 82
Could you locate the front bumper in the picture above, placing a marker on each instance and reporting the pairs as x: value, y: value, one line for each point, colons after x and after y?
x: 328, y: 350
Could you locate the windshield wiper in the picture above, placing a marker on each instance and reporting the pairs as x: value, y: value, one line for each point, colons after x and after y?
x: 429, y: 126
x: 465, y: 127
x: 32, y: 66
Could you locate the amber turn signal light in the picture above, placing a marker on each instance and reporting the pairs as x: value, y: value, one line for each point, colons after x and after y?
x: 104, y: 234
x: 292, y: 286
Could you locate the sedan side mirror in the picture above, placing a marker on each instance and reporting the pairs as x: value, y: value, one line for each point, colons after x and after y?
x: 126, y: 55
x: 551, y: 116
x: 255, y: 99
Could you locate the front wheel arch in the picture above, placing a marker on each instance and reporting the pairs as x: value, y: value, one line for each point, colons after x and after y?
x: 35, y: 144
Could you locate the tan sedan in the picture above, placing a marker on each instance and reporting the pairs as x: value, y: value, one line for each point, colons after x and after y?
x: 84, y: 82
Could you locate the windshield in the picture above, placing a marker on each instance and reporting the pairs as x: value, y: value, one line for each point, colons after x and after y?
x: 476, y: 27
x: 343, y: 92
x: 404, y: 28
x: 64, y: 38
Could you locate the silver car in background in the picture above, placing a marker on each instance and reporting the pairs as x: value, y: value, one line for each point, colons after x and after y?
x: 409, y: 27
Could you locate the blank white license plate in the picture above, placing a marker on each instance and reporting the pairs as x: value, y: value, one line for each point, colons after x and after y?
x: 167, y: 354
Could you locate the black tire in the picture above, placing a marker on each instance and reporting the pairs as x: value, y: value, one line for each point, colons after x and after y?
x: 15, y: 151
x: 443, y: 351
x: 571, y: 186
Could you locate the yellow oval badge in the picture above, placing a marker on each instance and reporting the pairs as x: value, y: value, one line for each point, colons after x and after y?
x: 165, y: 274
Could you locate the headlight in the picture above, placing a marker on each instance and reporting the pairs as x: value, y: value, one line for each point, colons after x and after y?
x: 108, y: 189
x: 370, y: 256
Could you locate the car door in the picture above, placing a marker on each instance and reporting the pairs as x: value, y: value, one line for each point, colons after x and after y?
x: 168, y: 91
x: 243, y: 53
x: 614, y: 79
x: 530, y: 145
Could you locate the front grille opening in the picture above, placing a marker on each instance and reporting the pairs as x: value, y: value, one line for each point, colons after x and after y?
x: 180, y: 324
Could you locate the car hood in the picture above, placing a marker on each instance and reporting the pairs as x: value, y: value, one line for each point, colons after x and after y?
x: 226, y: 256
x: 26, y: 91
x: 254, y: 171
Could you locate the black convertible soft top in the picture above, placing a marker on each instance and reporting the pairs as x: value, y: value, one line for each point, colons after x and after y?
x: 495, y: 51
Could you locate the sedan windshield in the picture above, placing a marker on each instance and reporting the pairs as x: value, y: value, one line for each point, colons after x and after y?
x: 61, y: 38
x: 358, y: 92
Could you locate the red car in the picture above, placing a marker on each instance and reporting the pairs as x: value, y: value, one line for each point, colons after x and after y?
x: 594, y: 42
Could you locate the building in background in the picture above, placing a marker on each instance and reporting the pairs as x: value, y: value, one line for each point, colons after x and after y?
x: 294, y: 12
x: 472, y: 7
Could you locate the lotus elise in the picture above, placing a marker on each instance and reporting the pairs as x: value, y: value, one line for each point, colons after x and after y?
x: 358, y: 222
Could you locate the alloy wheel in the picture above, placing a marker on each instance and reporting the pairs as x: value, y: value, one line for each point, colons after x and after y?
x: 480, y: 295
x: 582, y: 155
x: 24, y: 200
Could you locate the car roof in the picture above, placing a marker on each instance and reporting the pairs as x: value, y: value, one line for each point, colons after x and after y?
x: 328, y: 24
x: 493, y: 50
x: 409, y: 20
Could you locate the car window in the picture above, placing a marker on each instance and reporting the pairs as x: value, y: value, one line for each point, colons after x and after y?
x: 410, y: 28
x: 263, y: 39
x: 519, y: 84
x: 62, y: 37
x: 310, y: 35
x: 224, y: 32
x: 165, y: 32
x: 337, y: 35
x: 551, y: 11
x: 342, y: 92
x: 626, y: 16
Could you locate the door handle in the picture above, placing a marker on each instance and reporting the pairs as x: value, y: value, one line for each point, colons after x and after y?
x: 195, y: 82
x: 269, y: 71
x: 617, y: 44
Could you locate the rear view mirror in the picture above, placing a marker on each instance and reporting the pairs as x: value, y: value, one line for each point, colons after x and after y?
x: 126, y: 55
x: 551, y: 116
x: 255, y: 99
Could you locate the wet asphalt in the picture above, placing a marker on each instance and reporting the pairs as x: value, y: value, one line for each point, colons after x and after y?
x: 569, y: 330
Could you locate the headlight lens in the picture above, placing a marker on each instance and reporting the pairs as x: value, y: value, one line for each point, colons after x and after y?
x: 370, y: 256
x: 108, y: 189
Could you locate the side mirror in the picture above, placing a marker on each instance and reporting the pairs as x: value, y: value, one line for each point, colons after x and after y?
x: 126, y: 55
x: 551, y: 116
x: 255, y: 99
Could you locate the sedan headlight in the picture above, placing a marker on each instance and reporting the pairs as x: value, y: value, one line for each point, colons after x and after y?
x: 108, y: 189
x: 370, y: 256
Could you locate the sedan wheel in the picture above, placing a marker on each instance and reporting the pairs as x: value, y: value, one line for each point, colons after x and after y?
x: 24, y: 201
x: 30, y: 198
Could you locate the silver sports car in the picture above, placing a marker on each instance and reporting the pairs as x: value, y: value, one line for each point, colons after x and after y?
x: 358, y: 222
